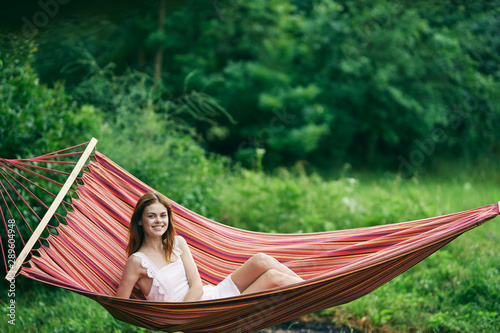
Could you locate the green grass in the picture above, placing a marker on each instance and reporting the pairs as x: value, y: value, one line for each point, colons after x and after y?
x: 42, y: 309
x: 457, y: 289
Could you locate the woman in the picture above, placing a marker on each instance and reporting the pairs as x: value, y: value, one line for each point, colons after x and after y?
x: 161, y: 265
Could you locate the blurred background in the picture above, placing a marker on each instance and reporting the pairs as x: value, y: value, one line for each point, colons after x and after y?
x: 277, y: 116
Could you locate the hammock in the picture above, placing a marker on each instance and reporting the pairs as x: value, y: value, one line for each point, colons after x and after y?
x: 85, y: 251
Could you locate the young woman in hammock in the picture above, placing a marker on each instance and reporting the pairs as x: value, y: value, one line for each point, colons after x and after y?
x: 162, y: 266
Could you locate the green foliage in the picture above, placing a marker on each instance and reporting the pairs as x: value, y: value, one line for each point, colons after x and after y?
x: 329, y: 82
x: 169, y: 161
x: 34, y: 120
x: 33, y: 113
x: 145, y: 135
x: 374, y: 76
x: 380, y: 76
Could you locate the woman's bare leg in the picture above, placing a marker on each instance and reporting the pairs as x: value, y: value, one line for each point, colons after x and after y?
x: 271, y: 279
x: 254, y: 269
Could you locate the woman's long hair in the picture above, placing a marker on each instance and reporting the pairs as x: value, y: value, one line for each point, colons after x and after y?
x: 137, y: 232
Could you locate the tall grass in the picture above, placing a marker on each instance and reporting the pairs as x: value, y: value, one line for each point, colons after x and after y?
x: 457, y: 289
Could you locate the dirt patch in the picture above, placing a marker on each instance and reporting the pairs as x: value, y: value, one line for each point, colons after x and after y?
x: 324, y: 324
x: 308, y: 324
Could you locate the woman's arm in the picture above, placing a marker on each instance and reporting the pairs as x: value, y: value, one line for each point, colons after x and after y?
x: 195, y: 286
x: 131, y: 274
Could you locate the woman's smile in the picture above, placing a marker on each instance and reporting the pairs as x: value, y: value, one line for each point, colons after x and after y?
x: 159, y: 227
x: 155, y: 220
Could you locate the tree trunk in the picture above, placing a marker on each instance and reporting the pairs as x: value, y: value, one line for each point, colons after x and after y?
x: 159, y: 51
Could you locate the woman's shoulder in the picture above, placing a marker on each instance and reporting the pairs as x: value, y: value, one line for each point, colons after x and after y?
x: 135, y: 259
x: 135, y: 263
x: 179, y: 240
x: 180, y: 243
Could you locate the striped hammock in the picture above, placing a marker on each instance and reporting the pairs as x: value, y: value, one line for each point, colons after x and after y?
x: 83, y: 247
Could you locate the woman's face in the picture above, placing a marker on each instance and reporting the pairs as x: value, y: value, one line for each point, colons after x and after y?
x: 155, y: 220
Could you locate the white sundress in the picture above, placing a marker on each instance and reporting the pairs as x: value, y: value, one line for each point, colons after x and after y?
x: 170, y: 283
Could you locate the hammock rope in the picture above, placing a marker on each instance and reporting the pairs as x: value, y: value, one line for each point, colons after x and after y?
x: 86, y: 253
x: 35, y: 237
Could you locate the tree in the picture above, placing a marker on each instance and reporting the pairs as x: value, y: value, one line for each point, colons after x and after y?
x: 329, y: 82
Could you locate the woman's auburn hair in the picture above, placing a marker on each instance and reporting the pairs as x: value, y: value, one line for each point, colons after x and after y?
x: 137, y: 232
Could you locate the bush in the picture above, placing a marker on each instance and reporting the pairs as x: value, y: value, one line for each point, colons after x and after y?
x: 34, y: 118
